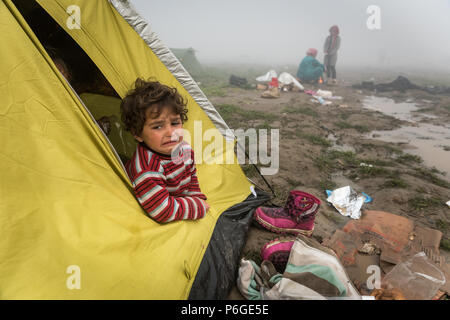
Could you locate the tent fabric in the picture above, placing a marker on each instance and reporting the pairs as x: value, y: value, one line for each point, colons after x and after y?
x: 71, y: 226
x: 218, y: 270
x: 128, y: 12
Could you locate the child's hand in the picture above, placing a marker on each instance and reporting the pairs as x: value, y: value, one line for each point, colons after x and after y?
x: 206, y: 204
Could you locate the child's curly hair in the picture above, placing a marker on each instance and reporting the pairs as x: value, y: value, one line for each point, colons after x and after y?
x: 149, y: 94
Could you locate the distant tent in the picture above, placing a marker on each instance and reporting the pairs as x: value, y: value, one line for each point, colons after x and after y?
x: 188, y: 59
x: 71, y: 227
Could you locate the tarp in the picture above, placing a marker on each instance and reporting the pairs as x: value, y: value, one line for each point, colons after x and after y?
x: 68, y: 214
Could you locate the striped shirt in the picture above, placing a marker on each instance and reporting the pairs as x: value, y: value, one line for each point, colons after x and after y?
x: 167, y: 188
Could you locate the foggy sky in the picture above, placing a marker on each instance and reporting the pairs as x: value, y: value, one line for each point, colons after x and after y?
x: 414, y: 33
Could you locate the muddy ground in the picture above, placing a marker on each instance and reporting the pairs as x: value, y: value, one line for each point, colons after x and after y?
x: 322, y: 147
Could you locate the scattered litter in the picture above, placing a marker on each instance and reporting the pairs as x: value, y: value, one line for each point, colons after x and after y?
x: 321, y: 100
x: 362, y: 164
x: 347, y: 202
x: 310, y: 92
x: 343, y: 106
x: 448, y: 203
x: 335, y: 98
x: 287, y: 79
x: 274, y: 83
x: 417, y: 278
x: 237, y: 81
x: 252, y: 190
x: 260, y: 86
x: 397, y: 237
x: 439, y: 295
x: 400, y: 84
x: 384, y: 294
x: 307, y: 259
x: 367, y: 197
x: 369, y: 248
x: 267, y: 77
x: 324, y: 93
x: 271, y: 93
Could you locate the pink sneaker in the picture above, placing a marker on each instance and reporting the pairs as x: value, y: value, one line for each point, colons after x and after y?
x: 277, y: 251
x: 297, y: 216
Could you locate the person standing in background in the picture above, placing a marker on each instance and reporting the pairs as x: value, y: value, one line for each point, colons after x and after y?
x: 330, y: 48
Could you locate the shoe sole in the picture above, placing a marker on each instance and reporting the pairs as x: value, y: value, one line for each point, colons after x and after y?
x: 272, y: 228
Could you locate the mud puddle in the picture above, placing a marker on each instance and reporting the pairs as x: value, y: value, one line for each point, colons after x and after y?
x: 430, y: 142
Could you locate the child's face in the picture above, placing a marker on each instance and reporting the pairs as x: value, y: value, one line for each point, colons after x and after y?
x: 161, y: 134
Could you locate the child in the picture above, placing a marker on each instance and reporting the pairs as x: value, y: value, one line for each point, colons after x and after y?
x: 162, y: 168
x: 330, y: 49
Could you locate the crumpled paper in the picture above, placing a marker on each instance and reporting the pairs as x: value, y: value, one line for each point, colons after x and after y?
x: 347, y: 201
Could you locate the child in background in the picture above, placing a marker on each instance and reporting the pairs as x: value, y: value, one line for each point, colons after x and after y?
x: 330, y: 49
x: 162, y: 168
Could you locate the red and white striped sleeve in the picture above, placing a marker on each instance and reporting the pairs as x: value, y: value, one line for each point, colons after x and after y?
x: 160, y: 205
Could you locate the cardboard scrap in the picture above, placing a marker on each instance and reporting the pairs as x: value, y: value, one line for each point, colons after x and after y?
x: 383, y: 228
x: 396, y: 237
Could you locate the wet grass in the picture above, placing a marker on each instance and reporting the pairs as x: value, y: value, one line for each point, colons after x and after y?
x: 249, y: 170
x: 442, y: 225
x: 301, y: 110
x: 395, y: 183
x: 408, y: 158
x: 324, y: 163
x: 390, y: 149
x: 314, y: 139
x: 294, y: 183
x: 419, y: 203
x: 214, y: 91
x: 445, y: 244
x: 345, y: 115
x: 327, y: 185
x: 429, y: 175
x: 378, y: 162
x: 333, y: 216
x: 229, y: 113
x: 328, y: 160
x: 348, y: 157
x: 365, y: 171
x: 346, y: 125
x: 266, y: 125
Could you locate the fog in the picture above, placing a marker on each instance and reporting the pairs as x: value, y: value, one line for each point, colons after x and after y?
x: 412, y: 34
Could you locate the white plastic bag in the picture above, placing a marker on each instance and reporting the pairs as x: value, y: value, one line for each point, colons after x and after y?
x: 347, y: 202
x: 267, y: 77
x: 324, y: 93
x: 417, y: 278
x: 286, y: 79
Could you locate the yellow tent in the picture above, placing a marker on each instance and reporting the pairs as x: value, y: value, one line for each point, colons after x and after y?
x: 71, y: 227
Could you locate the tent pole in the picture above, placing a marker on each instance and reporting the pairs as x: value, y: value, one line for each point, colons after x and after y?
x: 257, y: 169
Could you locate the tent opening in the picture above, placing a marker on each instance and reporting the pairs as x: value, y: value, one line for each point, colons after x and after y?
x: 83, y: 75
